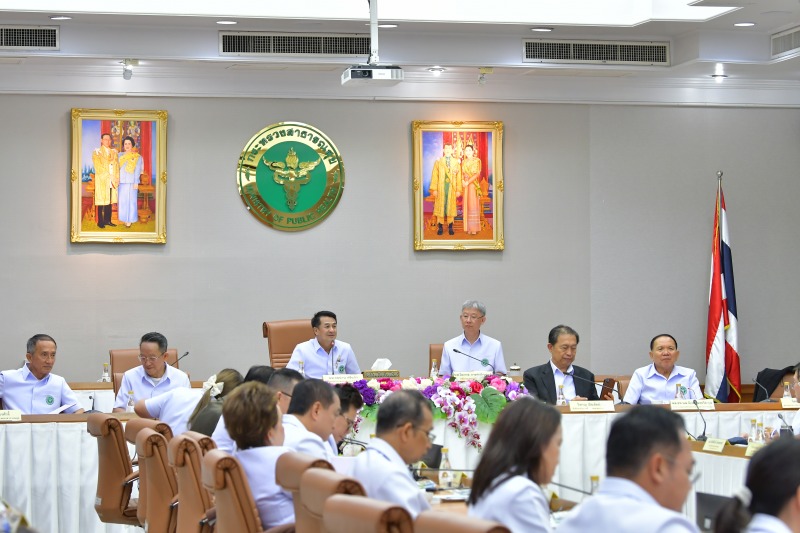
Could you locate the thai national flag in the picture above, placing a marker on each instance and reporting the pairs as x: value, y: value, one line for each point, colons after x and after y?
x: 723, y: 378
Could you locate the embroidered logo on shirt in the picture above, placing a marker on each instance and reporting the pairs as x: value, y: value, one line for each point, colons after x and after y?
x: 341, y: 369
x: 49, y: 400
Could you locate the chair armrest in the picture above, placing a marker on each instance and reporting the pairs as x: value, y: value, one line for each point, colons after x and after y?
x: 130, y: 478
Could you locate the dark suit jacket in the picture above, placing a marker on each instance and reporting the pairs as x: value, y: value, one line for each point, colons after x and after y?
x: 539, y: 380
x: 770, y: 379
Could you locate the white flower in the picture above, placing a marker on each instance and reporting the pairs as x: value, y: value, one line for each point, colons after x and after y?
x: 373, y: 384
x: 410, y: 384
x: 424, y: 383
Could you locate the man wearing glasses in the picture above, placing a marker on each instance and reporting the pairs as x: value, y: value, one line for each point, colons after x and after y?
x: 472, y: 350
x: 153, y: 377
x: 650, y: 471
x: 404, y: 436
x: 350, y: 402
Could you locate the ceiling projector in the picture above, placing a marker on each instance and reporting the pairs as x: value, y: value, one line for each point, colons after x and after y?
x: 385, y: 75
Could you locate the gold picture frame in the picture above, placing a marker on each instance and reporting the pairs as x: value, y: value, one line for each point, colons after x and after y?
x: 130, y: 206
x: 458, y: 196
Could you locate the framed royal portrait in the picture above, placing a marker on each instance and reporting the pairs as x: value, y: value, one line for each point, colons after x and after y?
x: 119, y: 176
x: 458, y: 185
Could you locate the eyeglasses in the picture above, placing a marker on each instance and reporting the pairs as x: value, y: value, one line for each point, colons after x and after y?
x: 150, y: 359
x: 430, y: 434
x: 350, y: 421
x: 286, y: 394
x: 691, y: 472
x: 473, y: 317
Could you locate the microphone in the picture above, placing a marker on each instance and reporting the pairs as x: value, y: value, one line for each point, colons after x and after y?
x: 786, y: 429
x: 483, y: 362
x: 572, y: 374
x: 702, y: 437
x: 354, y: 441
x: 570, y: 488
x: 175, y: 364
x: 766, y: 392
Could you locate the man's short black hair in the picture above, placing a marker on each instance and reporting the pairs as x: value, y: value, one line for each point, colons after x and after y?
x: 561, y: 329
x: 260, y: 373
x: 31, y: 346
x: 637, y: 435
x: 349, y: 397
x: 653, y: 341
x: 285, y: 379
x: 156, y: 337
x: 317, y: 319
x: 400, y: 407
x: 307, y: 393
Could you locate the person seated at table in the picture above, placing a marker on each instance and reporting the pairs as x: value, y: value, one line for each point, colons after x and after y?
x: 174, y: 407
x: 543, y: 381
x: 770, y: 500
x: 208, y: 410
x: 473, y: 343
x: 312, y: 413
x: 404, y: 432
x: 350, y: 402
x: 324, y: 354
x: 153, y: 377
x: 253, y: 419
x: 649, y: 465
x: 34, y: 389
x: 658, y: 381
x: 519, y: 458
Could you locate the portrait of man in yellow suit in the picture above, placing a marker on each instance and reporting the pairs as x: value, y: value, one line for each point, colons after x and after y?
x: 446, y: 187
x: 106, y: 179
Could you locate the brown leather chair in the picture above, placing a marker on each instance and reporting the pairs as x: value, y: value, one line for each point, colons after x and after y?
x: 236, y: 509
x: 435, y: 352
x: 289, y: 470
x: 161, y: 485
x: 445, y: 522
x: 115, y: 475
x: 316, y: 486
x: 354, y: 514
x: 127, y: 358
x: 282, y: 336
x: 185, y: 454
x: 132, y: 429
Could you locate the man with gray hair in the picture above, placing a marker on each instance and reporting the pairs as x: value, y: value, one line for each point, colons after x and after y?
x: 472, y: 350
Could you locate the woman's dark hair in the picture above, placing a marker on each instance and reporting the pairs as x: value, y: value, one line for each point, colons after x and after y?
x: 773, y: 477
x: 515, y: 446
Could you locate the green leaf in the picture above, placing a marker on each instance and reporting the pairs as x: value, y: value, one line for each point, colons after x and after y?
x: 369, y: 412
x: 488, y: 404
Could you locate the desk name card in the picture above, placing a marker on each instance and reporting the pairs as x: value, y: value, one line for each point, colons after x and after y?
x: 689, y: 405
x: 714, y: 445
x: 338, y: 379
x: 10, y: 415
x: 597, y: 406
x: 790, y: 403
x: 752, y: 448
x: 476, y: 375
x: 375, y: 374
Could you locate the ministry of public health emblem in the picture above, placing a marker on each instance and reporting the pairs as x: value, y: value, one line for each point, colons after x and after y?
x: 290, y: 176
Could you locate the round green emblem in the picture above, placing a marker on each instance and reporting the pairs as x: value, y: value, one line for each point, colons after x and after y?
x: 49, y: 400
x: 290, y: 176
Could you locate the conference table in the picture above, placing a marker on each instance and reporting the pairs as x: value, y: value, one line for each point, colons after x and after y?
x: 48, y: 464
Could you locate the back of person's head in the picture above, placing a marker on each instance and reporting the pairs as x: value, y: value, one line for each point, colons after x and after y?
x: 157, y: 338
x: 349, y: 397
x: 637, y: 435
x: 229, y: 378
x: 522, y: 432
x: 250, y: 412
x: 773, y: 479
x: 31, y: 346
x: 308, y: 392
x: 561, y: 329
x: 260, y: 373
x: 316, y: 320
x: 285, y: 379
x: 399, y: 408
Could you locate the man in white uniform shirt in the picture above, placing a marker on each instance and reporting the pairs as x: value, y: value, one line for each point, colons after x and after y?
x: 324, y: 354
x: 174, y: 407
x: 404, y: 436
x: 34, y: 389
x: 658, y: 381
x: 482, y: 351
x: 153, y: 377
x: 649, y: 465
x: 310, y: 419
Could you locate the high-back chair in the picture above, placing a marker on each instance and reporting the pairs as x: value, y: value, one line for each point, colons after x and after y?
x: 445, y: 522
x: 316, y: 486
x: 132, y: 429
x: 223, y: 475
x: 127, y: 358
x: 186, y: 454
x: 355, y: 514
x: 161, y: 485
x: 282, y: 336
x: 434, y: 352
x: 115, y: 475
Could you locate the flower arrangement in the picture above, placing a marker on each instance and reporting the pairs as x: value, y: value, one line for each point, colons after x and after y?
x: 462, y: 403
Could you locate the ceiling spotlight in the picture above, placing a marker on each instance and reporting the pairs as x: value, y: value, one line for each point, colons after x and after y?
x: 745, y: 24
x: 127, y: 68
x: 719, y: 77
x: 542, y: 28
x: 437, y: 70
x: 386, y: 25
x: 60, y: 17
x: 227, y: 22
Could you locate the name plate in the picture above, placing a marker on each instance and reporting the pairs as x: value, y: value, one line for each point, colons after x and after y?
x: 476, y: 375
x: 689, y: 405
x: 375, y: 374
x: 714, y: 445
x: 10, y: 415
x: 337, y: 379
x: 752, y: 448
x: 790, y: 403
x: 597, y: 406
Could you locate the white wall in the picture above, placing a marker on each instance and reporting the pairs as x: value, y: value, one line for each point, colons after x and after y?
x: 608, y: 229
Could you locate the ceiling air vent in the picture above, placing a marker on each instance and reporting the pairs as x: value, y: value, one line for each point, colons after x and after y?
x: 596, y: 52
x: 786, y: 43
x: 251, y: 43
x: 29, y: 38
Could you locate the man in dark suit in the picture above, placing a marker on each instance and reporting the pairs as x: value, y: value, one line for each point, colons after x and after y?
x: 543, y: 380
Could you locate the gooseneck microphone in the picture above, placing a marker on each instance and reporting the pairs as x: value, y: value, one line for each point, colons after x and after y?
x: 573, y: 375
x: 702, y: 437
x: 766, y: 392
x: 175, y: 364
x: 786, y: 429
x: 483, y: 362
